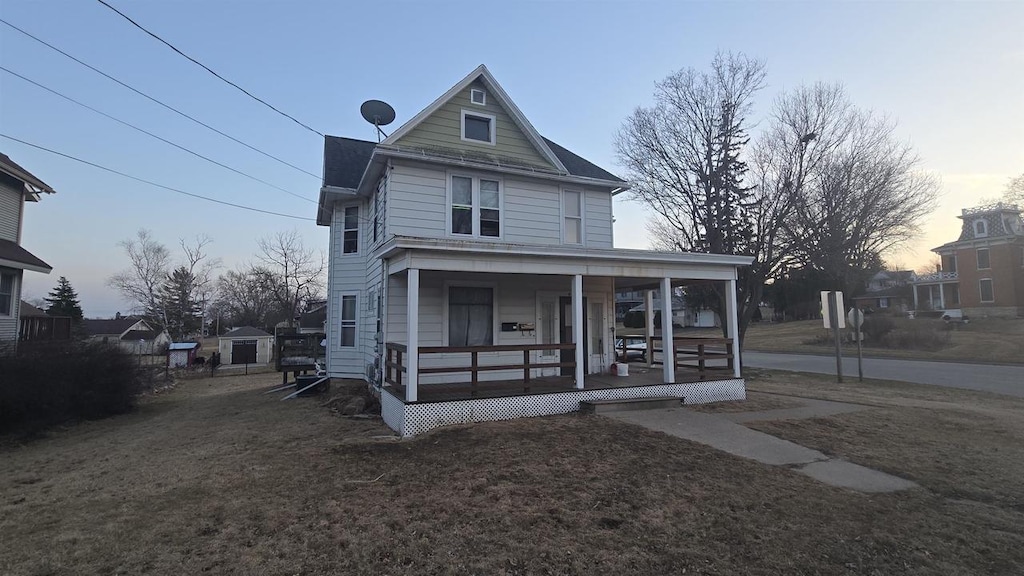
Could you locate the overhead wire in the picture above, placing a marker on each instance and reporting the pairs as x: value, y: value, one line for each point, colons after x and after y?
x: 160, y: 138
x: 155, y: 100
x: 151, y: 183
x: 208, y: 69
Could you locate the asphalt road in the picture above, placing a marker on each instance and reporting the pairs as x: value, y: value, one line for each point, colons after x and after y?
x: 1007, y: 380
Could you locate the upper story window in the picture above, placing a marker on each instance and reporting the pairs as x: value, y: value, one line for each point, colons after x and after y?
x: 478, y: 127
x: 983, y: 260
x: 6, y: 294
x: 350, y: 239
x: 478, y: 96
x: 980, y: 228
x: 572, y: 215
x: 475, y: 206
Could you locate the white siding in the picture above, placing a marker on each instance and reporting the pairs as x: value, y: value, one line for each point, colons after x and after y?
x: 347, y: 274
x: 597, y: 220
x: 417, y: 201
x: 10, y: 210
x: 9, y: 324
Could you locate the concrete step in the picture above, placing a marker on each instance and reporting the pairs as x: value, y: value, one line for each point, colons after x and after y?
x: 603, y: 406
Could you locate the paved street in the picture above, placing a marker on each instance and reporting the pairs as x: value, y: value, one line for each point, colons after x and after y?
x: 1007, y: 380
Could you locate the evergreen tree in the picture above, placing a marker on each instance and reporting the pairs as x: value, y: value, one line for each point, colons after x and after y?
x: 63, y: 301
x: 182, y: 312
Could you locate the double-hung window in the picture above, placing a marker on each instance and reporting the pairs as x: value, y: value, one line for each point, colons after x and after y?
x: 985, y: 288
x: 572, y: 213
x: 350, y: 240
x: 983, y: 259
x: 6, y: 294
x: 475, y: 206
x: 348, y: 320
x: 470, y: 316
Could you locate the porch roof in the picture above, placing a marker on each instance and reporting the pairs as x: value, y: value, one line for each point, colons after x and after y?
x: 504, y: 258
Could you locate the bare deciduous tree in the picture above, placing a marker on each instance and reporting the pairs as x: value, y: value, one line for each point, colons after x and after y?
x: 245, y: 297
x: 140, y: 283
x: 1014, y: 193
x: 296, y: 271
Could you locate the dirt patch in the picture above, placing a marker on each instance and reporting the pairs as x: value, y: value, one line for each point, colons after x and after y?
x: 216, y: 477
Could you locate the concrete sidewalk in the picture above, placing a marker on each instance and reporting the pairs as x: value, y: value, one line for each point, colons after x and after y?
x: 723, y: 432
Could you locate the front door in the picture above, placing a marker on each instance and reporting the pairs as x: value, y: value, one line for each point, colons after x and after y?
x: 565, y: 334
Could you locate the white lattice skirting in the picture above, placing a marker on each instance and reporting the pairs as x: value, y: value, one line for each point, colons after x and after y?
x: 413, y: 419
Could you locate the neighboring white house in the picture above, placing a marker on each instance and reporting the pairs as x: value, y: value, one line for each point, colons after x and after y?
x: 465, y: 245
x: 246, y: 345
x: 17, y: 187
x: 130, y: 333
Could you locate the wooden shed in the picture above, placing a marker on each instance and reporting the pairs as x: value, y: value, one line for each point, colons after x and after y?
x: 181, y: 354
x: 246, y: 345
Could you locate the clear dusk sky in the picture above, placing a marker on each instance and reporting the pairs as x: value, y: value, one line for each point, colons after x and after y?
x: 951, y: 73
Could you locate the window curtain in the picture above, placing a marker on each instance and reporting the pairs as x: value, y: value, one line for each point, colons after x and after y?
x: 470, y: 316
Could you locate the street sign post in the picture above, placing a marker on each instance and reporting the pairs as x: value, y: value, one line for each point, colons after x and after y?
x: 856, y: 318
x: 831, y: 312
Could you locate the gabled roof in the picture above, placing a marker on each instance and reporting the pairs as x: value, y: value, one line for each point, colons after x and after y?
x: 97, y: 326
x: 498, y: 93
x: 11, y: 168
x: 579, y: 166
x: 345, y: 160
x: 14, y: 256
x: 245, y: 332
x: 30, y: 311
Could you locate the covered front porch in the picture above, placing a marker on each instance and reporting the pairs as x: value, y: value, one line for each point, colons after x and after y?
x: 508, y: 334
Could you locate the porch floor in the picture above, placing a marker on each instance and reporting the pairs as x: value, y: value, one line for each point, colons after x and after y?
x: 639, y: 375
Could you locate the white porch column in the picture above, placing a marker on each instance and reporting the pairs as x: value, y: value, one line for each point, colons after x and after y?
x: 577, y: 326
x: 667, y: 345
x: 942, y: 297
x: 412, y: 328
x: 733, y: 325
x: 915, y: 297
x: 649, y: 323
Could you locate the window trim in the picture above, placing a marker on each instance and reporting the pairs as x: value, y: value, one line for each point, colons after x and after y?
x: 14, y: 292
x: 483, y: 96
x: 344, y: 230
x: 475, y: 208
x: 988, y: 257
x: 354, y: 323
x: 446, y: 299
x: 493, y: 121
x: 992, y: 289
x: 582, y: 216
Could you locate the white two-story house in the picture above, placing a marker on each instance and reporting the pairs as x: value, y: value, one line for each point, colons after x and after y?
x: 17, y: 187
x: 472, y: 272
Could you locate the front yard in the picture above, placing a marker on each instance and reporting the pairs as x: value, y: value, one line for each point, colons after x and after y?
x: 215, y: 477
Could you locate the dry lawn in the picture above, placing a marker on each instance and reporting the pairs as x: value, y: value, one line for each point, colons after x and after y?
x: 216, y: 478
x: 982, y: 340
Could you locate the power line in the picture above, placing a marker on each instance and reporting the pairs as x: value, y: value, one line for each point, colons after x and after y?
x: 160, y: 138
x: 147, y: 96
x: 207, y: 68
x: 151, y: 183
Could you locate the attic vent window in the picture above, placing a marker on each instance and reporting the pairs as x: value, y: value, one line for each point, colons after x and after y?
x: 478, y: 127
x: 478, y: 96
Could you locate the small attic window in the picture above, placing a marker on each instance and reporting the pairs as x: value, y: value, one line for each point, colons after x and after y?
x: 980, y: 228
x: 478, y: 96
x: 478, y: 127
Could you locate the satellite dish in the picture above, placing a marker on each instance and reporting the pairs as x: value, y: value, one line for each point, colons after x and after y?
x: 377, y: 113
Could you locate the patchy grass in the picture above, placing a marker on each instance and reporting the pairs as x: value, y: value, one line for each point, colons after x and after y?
x: 982, y: 340
x: 216, y: 477
x: 755, y: 402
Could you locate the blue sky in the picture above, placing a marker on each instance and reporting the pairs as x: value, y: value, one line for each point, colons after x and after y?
x: 951, y: 73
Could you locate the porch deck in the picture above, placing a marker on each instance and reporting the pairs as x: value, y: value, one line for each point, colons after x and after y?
x: 639, y: 375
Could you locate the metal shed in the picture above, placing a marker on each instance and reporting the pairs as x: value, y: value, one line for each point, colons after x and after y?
x: 181, y: 354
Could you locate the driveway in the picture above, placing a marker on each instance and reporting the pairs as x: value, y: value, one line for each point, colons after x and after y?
x: 1007, y: 380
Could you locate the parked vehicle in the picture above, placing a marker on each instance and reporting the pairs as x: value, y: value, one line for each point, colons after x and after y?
x: 954, y: 316
x: 630, y: 349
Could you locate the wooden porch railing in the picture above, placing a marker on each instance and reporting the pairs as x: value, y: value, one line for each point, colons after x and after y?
x: 689, y: 350
x: 474, y: 368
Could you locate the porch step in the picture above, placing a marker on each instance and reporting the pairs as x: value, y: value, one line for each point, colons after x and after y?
x: 602, y: 406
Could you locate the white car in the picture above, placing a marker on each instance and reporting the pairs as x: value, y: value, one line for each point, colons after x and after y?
x: 635, y: 349
x: 954, y: 315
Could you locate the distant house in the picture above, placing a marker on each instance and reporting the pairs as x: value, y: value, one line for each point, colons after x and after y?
x: 982, y: 272
x: 888, y: 290
x: 17, y: 187
x: 246, y: 345
x: 131, y: 333
x: 38, y: 326
x: 314, y: 319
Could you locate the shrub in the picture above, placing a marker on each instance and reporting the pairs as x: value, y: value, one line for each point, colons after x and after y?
x: 875, y: 327
x: 47, y: 386
x: 918, y: 336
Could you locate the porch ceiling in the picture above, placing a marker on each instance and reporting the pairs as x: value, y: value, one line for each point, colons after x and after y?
x: 639, y: 266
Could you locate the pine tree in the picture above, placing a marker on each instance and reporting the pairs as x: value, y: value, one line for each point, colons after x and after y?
x: 63, y: 301
x: 178, y: 307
